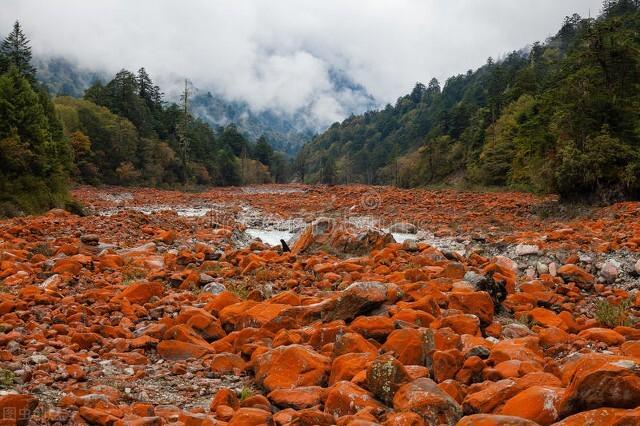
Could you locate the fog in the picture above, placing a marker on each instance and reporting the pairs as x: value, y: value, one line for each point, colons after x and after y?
x: 278, y: 55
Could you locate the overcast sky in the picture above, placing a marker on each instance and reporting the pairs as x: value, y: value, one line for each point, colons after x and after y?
x: 276, y: 54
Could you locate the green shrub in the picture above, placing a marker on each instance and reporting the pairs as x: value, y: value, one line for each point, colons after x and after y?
x: 613, y: 315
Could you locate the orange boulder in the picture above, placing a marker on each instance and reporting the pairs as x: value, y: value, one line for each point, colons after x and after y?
x: 289, y: 366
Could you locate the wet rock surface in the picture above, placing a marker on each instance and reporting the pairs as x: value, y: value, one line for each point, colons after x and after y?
x: 159, y: 308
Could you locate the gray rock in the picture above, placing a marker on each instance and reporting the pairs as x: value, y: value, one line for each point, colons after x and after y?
x: 584, y: 258
x: 322, y: 225
x: 38, y: 359
x: 206, y: 279
x: 425, y: 398
x: 214, y: 288
x: 526, y: 250
x: 609, y: 272
x: 530, y: 272
x: 410, y: 245
x: 215, y: 255
x: 474, y: 278
x: 90, y: 239
x: 515, y: 330
x: 637, y: 267
x: 542, y: 268
x: 479, y: 351
x: 403, y: 228
x: 359, y: 298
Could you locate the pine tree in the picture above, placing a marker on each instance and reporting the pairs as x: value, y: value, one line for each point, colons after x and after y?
x: 145, y: 86
x: 15, y: 51
x: 263, y: 151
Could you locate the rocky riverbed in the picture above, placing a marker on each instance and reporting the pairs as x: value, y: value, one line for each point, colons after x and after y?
x: 383, y: 306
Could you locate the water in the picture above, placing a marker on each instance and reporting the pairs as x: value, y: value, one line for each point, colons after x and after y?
x: 401, y: 238
x: 269, y: 236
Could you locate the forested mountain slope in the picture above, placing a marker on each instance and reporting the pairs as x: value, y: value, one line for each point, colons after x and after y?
x: 561, y: 116
x: 121, y: 133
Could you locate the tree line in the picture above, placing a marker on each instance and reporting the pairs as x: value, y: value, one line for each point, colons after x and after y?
x: 560, y: 116
x: 122, y: 132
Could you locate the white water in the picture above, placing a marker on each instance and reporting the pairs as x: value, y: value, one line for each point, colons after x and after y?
x: 268, y: 236
x: 401, y: 238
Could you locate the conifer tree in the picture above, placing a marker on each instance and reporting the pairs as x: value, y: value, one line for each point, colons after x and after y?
x: 15, y: 50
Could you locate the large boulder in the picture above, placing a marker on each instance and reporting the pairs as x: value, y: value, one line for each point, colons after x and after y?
x: 359, y: 298
x: 328, y: 235
x: 346, y: 398
x: 494, y: 420
x: 16, y: 409
x: 140, y: 292
x: 600, y: 380
x: 291, y: 366
x: 384, y: 376
x: 403, y: 228
x: 424, y: 397
x: 537, y: 403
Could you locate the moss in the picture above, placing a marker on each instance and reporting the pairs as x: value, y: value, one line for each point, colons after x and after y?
x: 7, y: 378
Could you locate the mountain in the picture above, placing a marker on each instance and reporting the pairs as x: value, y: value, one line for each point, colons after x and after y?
x: 285, y: 132
x: 64, y: 78
x: 560, y: 116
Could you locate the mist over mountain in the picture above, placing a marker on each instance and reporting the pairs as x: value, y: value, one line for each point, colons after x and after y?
x: 285, y: 131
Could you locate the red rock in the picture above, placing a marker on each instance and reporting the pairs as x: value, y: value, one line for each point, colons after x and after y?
x: 631, y: 349
x: 490, y: 398
x: 226, y: 363
x: 494, y: 420
x: 359, y: 298
x: 224, y: 397
x: 206, y: 326
x: 312, y: 417
x: 175, y: 350
x: 460, y: 323
x: 345, y: 367
x: 404, y: 419
x: 446, y: 364
x: 478, y: 303
x: 67, y: 266
x: 602, y: 381
x: 86, y: 340
x: 97, y: 417
x: 375, y: 327
x: 184, y: 333
x: 231, y: 315
x: 384, y: 376
x: 344, y: 398
x: 167, y: 237
x: 573, y: 273
x: 141, y: 292
x: 546, y: 318
x: 537, y: 403
x: 604, y: 335
x: 523, y: 349
x: 409, y: 346
x: 289, y: 366
x: 423, y: 397
x: 17, y: 409
x: 247, y: 416
x: 554, y: 336
x: 353, y: 343
x: 299, y: 398
x: 603, y: 416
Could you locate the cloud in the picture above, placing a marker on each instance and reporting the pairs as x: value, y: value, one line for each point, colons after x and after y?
x: 279, y: 54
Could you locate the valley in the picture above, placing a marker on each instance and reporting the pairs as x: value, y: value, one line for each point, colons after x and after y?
x: 159, y: 307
